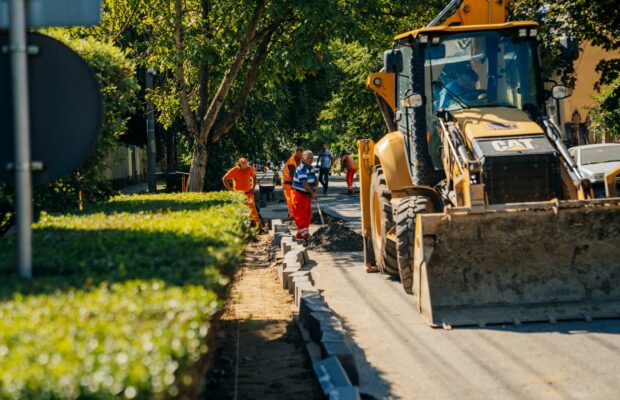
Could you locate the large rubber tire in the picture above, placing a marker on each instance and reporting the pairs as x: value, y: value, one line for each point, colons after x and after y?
x: 381, y: 221
x: 407, y: 210
x: 422, y: 170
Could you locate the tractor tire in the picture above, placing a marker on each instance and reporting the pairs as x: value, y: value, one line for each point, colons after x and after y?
x: 405, y: 218
x: 381, y: 222
x: 422, y: 169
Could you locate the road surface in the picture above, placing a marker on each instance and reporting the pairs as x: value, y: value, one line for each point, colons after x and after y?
x: 401, y: 357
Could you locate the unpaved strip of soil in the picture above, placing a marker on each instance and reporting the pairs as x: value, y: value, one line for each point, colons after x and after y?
x: 261, y: 354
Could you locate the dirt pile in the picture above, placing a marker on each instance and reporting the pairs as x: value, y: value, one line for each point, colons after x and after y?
x: 335, y: 237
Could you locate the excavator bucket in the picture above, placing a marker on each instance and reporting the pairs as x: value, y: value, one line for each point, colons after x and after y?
x: 519, y: 263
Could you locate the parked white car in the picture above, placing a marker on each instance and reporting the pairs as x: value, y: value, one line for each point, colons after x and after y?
x: 594, y: 160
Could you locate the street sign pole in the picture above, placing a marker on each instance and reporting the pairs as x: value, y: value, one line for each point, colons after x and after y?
x: 150, y: 134
x: 18, y: 49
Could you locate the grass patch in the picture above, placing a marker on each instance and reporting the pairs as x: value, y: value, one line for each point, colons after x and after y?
x: 121, y: 298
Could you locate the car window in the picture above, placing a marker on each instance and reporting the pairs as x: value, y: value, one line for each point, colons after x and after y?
x: 600, y: 154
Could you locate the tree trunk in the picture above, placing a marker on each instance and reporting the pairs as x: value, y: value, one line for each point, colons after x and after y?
x: 199, y: 166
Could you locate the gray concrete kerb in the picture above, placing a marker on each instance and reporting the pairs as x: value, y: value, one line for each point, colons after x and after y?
x: 286, y: 272
x: 274, y: 223
x: 304, y: 289
x: 278, y: 236
x: 337, y: 371
x: 295, y: 278
x: 286, y: 244
x: 332, y: 376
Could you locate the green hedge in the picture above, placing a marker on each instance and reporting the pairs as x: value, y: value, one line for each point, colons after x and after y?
x: 121, y: 298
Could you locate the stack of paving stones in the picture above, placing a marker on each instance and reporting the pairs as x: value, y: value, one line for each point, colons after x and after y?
x: 325, y: 337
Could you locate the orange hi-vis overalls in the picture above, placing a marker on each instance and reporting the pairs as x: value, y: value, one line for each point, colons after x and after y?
x: 351, y: 170
x: 287, y: 183
x: 303, y: 204
x: 242, y: 182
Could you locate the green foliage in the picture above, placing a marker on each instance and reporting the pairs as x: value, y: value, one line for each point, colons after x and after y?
x: 298, y: 81
x: 115, y: 75
x: 605, y: 115
x: 352, y: 112
x: 597, y: 22
x: 121, y: 299
x: 7, y: 212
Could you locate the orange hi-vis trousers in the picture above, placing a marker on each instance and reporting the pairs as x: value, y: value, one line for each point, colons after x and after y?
x: 350, y: 173
x: 289, y: 194
x: 303, y: 213
x: 252, y: 204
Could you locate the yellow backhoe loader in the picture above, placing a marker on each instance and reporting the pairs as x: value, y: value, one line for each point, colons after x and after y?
x: 472, y: 198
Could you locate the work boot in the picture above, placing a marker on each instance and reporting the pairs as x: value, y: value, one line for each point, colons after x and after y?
x: 350, y: 192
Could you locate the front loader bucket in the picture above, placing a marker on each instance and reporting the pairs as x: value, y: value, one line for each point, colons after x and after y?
x: 519, y: 263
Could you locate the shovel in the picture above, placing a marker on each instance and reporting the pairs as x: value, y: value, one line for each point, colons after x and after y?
x: 318, y: 206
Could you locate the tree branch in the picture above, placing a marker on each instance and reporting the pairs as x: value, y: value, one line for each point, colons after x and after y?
x: 179, y: 73
x: 203, y: 83
x: 244, y: 47
x: 251, y: 77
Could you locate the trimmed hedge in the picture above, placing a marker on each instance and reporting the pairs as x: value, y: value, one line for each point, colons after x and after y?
x: 121, y: 299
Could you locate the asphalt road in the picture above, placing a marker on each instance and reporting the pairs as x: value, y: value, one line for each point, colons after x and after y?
x: 400, y: 357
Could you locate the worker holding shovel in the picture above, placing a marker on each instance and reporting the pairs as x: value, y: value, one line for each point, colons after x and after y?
x: 305, y: 186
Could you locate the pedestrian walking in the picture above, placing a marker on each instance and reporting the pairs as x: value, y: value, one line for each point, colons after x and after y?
x: 325, y: 164
x: 243, y: 179
x: 305, y: 186
x: 349, y: 163
x: 287, y: 179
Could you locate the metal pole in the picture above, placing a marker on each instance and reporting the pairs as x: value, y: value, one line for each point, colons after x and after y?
x: 150, y: 134
x: 21, y: 118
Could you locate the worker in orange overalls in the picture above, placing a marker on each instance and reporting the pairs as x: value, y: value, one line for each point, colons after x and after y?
x: 349, y: 163
x: 287, y: 179
x: 305, y: 186
x: 243, y: 180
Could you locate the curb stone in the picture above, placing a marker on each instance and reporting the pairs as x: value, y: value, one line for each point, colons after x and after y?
x: 326, y: 342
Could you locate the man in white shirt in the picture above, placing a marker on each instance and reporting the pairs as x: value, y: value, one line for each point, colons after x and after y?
x: 325, y: 164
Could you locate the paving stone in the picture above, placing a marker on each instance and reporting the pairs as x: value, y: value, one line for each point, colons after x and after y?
x: 291, y: 262
x: 296, y: 281
x: 322, y: 321
x: 333, y: 335
x: 296, y: 255
x: 331, y: 375
x: 294, y: 275
x: 277, y: 238
x: 286, y: 272
x: 345, y: 393
x: 304, y: 253
x: 309, y: 304
x: 286, y: 244
x: 343, y: 352
x: 281, y: 228
x: 275, y: 222
x: 304, y: 289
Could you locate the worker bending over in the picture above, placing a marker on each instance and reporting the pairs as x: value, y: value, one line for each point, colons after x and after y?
x: 243, y: 180
x: 305, y: 186
x: 287, y: 179
x: 349, y: 163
